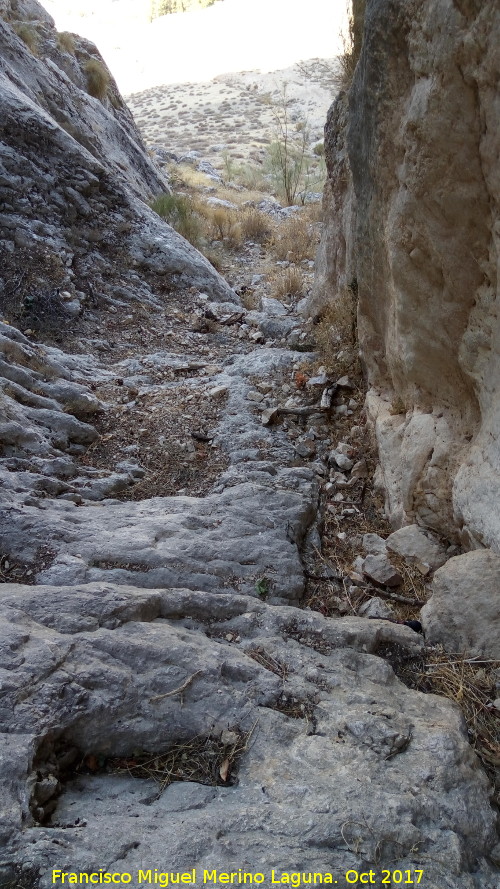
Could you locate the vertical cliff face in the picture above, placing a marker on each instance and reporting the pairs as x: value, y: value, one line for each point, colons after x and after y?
x: 412, y: 209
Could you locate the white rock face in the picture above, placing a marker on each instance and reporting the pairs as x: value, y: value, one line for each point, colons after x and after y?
x: 412, y: 203
x: 463, y: 613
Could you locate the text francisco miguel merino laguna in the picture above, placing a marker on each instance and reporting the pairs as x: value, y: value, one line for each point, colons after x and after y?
x: 210, y: 877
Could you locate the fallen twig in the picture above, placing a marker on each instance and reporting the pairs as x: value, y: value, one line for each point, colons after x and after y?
x: 394, y: 596
x: 324, y: 577
x: 302, y: 411
x: 175, y: 691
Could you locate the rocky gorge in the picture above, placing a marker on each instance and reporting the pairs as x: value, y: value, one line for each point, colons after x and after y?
x: 210, y: 657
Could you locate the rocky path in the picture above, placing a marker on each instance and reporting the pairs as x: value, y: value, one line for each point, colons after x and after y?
x: 153, y: 621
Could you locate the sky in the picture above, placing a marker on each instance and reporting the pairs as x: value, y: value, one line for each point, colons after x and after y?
x: 234, y: 35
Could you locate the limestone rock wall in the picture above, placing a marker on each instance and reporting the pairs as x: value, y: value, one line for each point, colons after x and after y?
x: 412, y: 218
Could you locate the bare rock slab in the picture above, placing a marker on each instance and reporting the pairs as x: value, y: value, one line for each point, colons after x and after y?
x: 100, y: 667
x: 463, y: 613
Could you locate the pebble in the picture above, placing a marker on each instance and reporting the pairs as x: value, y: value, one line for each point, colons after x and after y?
x: 342, y: 461
x: 253, y: 395
x: 305, y: 448
x: 269, y: 415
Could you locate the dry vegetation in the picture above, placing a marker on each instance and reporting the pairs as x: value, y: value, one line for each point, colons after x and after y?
x: 289, y: 282
x: 255, y: 226
x: 66, y: 42
x: 28, y: 34
x: 336, y: 333
x: 205, y: 759
x: 295, y: 239
x: 98, y: 79
x: 470, y: 683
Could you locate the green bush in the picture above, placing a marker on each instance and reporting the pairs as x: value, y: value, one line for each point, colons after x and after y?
x: 287, y: 153
x: 97, y: 78
x: 179, y: 211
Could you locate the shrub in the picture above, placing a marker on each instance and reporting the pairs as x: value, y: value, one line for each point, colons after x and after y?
x: 286, y: 155
x: 255, y: 226
x: 180, y: 212
x: 351, y: 44
x: 295, y: 240
x: 319, y: 149
x: 225, y: 225
x: 28, y: 35
x: 229, y: 167
x: 166, y: 7
x: 251, y: 177
x: 289, y: 282
x: 336, y: 74
x: 66, y: 42
x: 97, y: 78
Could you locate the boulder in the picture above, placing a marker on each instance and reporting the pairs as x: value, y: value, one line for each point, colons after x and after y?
x: 376, y: 607
x: 374, y: 544
x: 463, y: 613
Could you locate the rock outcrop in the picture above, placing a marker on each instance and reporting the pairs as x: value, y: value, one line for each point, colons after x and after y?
x: 412, y: 227
x: 75, y: 179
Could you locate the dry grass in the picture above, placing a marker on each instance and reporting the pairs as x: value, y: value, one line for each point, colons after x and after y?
x: 289, y: 282
x: 251, y: 177
x: 182, y: 213
x: 336, y: 333
x: 66, y: 42
x: 255, y: 226
x: 184, y: 175
x: 295, y: 240
x: 205, y: 760
x: 470, y: 683
x: 269, y: 662
x: 225, y: 225
x: 238, y: 197
x: 97, y: 78
x: 28, y: 35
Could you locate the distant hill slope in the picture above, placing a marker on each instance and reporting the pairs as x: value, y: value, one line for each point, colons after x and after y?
x: 165, y: 7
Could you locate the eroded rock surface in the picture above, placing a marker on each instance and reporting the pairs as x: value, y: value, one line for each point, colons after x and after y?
x: 93, y: 665
x: 71, y: 207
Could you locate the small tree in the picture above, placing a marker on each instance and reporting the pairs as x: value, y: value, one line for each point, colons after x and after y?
x: 287, y: 152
